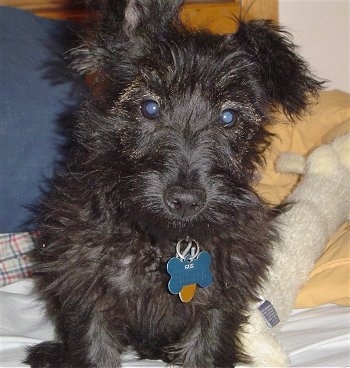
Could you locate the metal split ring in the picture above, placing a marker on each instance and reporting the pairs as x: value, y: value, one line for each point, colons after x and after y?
x: 192, y: 248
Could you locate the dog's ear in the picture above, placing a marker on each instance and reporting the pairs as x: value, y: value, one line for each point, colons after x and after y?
x: 114, y: 23
x: 285, y: 75
x: 126, y: 16
x: 146, y: 13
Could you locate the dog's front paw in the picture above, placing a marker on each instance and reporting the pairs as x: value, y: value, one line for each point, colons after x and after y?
x: 48, y: 354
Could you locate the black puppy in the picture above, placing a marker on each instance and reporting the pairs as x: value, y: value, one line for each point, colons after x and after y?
x: 159, y: 185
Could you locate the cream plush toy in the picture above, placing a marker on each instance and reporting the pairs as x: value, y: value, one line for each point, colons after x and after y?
x: 321, y: 203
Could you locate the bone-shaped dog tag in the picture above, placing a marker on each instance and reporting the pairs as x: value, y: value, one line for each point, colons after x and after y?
x: 189, y: 271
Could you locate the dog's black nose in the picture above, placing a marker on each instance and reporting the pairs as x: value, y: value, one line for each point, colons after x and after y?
x: 184, y: 202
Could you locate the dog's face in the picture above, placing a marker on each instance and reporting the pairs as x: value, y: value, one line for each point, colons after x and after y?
x: 175, y: 128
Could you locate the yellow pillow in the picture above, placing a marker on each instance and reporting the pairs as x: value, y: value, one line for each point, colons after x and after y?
x: 329, y: 281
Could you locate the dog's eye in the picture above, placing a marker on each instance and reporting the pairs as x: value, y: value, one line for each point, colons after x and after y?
x: 150, y: 109
x: 228, y: 118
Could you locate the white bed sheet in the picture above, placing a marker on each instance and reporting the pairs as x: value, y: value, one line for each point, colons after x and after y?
x: 317, y: 337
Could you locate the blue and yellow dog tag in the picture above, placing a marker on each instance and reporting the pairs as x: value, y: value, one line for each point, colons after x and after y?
x: 189, y: 270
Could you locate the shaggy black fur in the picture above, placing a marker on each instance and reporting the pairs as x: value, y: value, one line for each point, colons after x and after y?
x: 139, y: 180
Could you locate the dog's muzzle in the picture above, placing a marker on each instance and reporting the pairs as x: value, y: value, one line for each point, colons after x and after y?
x: 184, y: 202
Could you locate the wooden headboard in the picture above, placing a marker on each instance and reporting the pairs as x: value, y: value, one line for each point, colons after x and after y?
x: 214, y: 14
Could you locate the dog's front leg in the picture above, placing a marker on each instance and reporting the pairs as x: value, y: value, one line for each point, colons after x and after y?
x: 207, y: 343
x: 102, y: 343
x: 94, y: 346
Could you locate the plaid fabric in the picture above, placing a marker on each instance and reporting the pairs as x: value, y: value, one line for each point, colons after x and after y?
x: 14, y: 260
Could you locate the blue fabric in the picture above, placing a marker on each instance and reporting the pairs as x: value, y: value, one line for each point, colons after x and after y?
x: 37, y: 94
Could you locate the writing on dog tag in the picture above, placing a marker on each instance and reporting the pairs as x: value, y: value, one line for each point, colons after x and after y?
x: 186, y: 273
x: 269, y: 313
